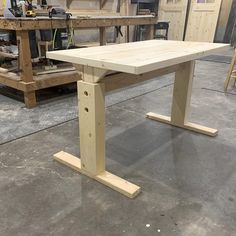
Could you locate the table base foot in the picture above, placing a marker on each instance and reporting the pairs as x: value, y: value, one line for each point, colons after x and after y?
x: 190, y: 126
x: 116, y: 183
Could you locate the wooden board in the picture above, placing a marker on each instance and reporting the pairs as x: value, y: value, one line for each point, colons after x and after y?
x: 202, y: 20
x: 118, y: 184
x: 138, y: 57
x: 223, y: 19
x: 230, y: 23
x: 174, y: 11
x: 25, y: 23
x: 84, y: 4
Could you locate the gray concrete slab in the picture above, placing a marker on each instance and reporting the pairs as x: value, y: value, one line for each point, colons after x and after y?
x: 187, y: 179
x: 19, y: 121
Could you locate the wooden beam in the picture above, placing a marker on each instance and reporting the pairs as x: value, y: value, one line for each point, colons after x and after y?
x: 182, y: 93
x: 188, y: 125
x: 50, y: 80
x: 121, y: 80
x: 92, y: 126
x: 26, y: 66
x: 76, y: 23
x: 116, y: 183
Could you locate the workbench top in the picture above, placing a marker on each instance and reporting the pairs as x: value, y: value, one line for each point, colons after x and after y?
x: 42, y: 22
x: 41, y: 18
x: 138, y: 57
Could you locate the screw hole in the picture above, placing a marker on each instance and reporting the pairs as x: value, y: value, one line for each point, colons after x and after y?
x: 86, y: 109
x: 85, y: 93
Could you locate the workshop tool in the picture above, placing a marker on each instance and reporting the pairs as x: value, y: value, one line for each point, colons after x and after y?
x: 15, y: 9
x: 30, y: 12
x: 62, y: 38
x: 118, y: 31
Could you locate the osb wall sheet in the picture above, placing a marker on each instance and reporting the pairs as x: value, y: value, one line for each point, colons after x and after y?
x: 85, y: 4
x: 1, y: 4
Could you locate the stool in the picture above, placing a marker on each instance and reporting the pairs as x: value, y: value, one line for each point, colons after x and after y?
x: 231, y: 73
x: 161, y: 26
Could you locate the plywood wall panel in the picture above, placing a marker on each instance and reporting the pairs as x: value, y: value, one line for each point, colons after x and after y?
x: 85, y: 4
x: 223, y: 19
x: 202, y: 20
x: 174, y: 11
x: 1, y: 8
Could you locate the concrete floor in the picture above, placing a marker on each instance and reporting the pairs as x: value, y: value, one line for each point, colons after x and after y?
x: 187, y: 179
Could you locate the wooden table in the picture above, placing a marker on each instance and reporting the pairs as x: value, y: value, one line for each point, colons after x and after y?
x: 28, y: 83
x: 137, y: 62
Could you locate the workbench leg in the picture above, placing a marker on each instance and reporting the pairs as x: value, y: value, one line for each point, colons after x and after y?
x: 127, y: 34
x: 150, y: 32
x: 26, y: 66
x: 30, y: 99
x: 92, y: 140
x: 181, y: 102
x: 103, y: 38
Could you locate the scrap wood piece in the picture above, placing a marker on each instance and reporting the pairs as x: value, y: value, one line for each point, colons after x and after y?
x: 3, y: 70
x: 54, y: 71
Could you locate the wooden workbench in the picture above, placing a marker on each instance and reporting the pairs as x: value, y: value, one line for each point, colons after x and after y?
x: 28, y: 83
x: 137, y: 62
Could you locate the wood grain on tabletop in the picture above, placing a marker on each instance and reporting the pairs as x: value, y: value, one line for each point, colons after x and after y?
x: 138, y: 57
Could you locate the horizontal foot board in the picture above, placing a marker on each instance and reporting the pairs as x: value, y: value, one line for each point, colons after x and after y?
x: 157, y: 117
x: 116, y: 183
x: 190, y: 126
x: 201, y: 129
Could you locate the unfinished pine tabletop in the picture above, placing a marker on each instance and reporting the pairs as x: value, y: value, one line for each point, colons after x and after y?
x: 138, y: 57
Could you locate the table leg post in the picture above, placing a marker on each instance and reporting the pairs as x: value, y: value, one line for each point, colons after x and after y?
x: 182, y: 94
x: 26, y: 66
x: 150, y: 32
x: 181, y: 102
x: 92, y: 127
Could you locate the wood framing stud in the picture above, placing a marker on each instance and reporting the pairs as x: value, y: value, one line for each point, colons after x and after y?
x: 116, y: 183
x: 190, y: 126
